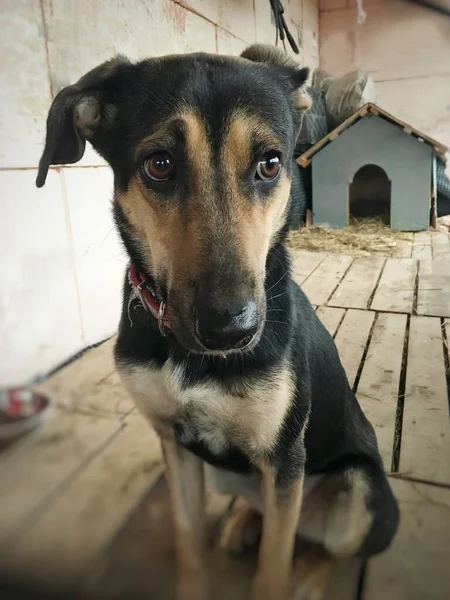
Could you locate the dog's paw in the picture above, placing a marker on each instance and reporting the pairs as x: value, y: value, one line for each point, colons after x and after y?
x: 242, y: 531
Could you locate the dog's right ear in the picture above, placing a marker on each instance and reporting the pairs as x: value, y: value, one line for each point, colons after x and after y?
x: 83, y: 111
x: 287, y: 66
x: 270, y: 55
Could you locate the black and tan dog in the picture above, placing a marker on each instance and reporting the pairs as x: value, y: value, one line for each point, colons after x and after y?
x: 229, y: 361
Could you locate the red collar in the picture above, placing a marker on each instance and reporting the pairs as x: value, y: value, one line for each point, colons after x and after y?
x: 147, y: 294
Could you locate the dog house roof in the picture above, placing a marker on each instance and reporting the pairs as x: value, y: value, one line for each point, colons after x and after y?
x: 369, y: 109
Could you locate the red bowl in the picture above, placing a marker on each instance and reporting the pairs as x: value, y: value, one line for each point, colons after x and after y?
x: 21, y: 410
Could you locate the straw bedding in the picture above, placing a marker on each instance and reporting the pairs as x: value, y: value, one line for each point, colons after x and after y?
x: 361, y: 238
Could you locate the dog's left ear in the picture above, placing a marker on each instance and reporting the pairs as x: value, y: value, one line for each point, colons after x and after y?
x: 83, y: 111
x: 295, y: 76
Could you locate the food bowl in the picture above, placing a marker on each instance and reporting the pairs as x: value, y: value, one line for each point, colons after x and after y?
x: 21, y: 411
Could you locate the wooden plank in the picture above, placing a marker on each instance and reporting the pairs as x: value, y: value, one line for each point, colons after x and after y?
x: 420, y: 251
x: 395, y: 290
x: 356, y: 288
x: 351, y: 340
x: 90, y: 385
x: 304, y: 263
x: 323, y: 281
x: 135, y: 568
x: 433, y: 211
x: 95, y: 364
x: 33, y: 470
x: 433, y: 298
x: 422, y: 238
x: 78, y: 524
x: 425, y: 448
x: 140, y: 561
x: 422, y: 245
x: 415, y: 567
x: 105, y: 397
x: 440, y: 244
x: 404, y: 248
x: 378, y: 387
x: 330, y: 317
x: 447, y: 335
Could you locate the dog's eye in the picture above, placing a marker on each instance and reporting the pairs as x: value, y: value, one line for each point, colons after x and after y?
x: 159, y: 166
x: 268, y: 167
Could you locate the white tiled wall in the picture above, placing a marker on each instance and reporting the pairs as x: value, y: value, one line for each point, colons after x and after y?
x: 62, y: 264
x: 99, y: 256
x: 39, y: 309
x: 24, y: 83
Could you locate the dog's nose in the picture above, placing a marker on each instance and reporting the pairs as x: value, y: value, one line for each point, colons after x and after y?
x: 227, y: 330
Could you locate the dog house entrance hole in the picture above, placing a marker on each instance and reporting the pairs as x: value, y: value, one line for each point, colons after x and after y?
x: 370, y: 194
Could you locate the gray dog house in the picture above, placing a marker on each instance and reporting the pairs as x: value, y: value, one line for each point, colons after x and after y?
x: 389, y: 163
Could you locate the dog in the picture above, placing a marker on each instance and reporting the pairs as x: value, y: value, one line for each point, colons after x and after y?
x: 218, y: 346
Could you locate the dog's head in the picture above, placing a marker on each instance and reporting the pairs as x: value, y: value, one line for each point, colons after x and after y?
x: 201, y: 147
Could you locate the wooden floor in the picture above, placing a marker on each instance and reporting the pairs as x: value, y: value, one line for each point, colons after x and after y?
x: 83, y: 506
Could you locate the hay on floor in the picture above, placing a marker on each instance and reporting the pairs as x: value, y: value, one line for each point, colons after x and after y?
x: 361, y: 238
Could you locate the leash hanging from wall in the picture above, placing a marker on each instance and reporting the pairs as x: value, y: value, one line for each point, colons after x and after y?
x: 281, y: 26
x: 282, y: 30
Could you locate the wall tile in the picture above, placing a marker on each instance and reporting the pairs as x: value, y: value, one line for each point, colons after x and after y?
x: 295, y: 8
x: 236, y: 16
x: 303, y: 23
x: 366, y: 3
x: 425, y: 107
x: 83, y: 34
x: 100, y: 259
x: 396, y: 41
x: 332, y: 4
x: 311, y: 33
x: 337, y: 41
x: 39, y: 314
x: 293, y: 13
x: 229, y: 44
x: 265, y: 27
x: 24, y: 83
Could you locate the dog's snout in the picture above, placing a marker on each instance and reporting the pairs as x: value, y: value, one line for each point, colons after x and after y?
x: 227, y: 329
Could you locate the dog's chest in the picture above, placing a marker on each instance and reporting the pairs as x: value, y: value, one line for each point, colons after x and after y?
x: 205, y: 413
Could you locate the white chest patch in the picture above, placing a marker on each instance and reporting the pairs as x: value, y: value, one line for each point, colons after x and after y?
x: 207, y: 413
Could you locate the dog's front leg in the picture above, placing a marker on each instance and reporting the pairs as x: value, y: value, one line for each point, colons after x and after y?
x: 184, y: 473
x: 282, y: 498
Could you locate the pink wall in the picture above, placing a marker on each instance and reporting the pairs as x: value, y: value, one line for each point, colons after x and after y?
x: 406, y: 48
